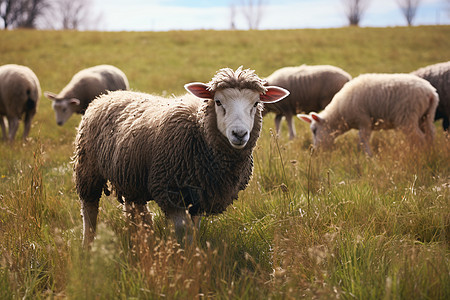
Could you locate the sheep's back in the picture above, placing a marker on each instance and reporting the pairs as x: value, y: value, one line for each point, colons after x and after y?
x: 113, y: 78
x: 90, y: 83
x: 18, y: 84
x: 439, y: 76
x: 396, y: 99
x: 311, y: 87
x: 124, y: 131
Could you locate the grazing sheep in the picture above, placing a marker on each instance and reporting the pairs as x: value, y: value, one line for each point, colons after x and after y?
x: 378, y: 101
x: 311, y: 89
x: 439, y: 77
x: 184, y: 153
x: 84, y: 87
x: 19, y: 94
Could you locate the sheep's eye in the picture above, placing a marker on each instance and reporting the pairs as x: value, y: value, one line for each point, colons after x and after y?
x: 256, y: 104
x: 218, y: 103
x: 64, y: 110
x: 314, y: 130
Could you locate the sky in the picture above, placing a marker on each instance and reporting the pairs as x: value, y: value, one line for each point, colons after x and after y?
x: 163, y: 15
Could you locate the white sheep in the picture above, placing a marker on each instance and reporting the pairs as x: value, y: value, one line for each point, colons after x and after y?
x: 84, y: 87
x: 311, y: 89
x: 19, y: 95
x: 184, y: 153
x: 439, y: 77
x: 377, y: 101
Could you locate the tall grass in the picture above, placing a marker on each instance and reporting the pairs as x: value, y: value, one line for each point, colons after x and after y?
x: 334, y: 224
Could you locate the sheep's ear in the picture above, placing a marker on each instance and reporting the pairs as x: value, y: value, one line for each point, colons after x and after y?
x: 74, y: 101
x: 50, y: 95
x: 274, y: 94
x: 199, y: 89
x: 305, y: 118
x: 316, y: 117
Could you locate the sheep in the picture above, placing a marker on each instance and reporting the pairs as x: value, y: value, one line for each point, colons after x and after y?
x: 19, y: 95
x: 184, y: 153
x: 439, y: 76
x: 377, y: 101
x: 84, y: 87
x: 311, y: 88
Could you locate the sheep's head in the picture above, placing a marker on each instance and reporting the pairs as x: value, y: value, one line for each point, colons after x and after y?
x: 237, y: 95
x: 63, y: 108
x: 323, y: 136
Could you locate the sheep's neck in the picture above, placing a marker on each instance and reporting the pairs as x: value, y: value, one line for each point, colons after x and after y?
x: 336, y: 121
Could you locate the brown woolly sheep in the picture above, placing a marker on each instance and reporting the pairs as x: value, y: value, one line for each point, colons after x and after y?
x: 378, y: 101
x: 19, y: 94
x: 439, y: 77
x: 184, y: 153
x: 84, y: 87
x: 311, y: 89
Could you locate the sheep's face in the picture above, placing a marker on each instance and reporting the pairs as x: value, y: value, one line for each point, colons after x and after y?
x: 322, y: 135
x: 236, y: 108
x: 235, y: 111
x: 63, y: 108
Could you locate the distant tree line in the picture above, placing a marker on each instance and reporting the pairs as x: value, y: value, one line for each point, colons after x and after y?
x: 46, y: 14
x: 77, y: 14
x: 354, y: 10
x: 21, y: 13
x: 252, y: 10
x: 409, y: 9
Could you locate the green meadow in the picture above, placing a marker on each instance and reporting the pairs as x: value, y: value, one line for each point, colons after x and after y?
x: 314, y: 225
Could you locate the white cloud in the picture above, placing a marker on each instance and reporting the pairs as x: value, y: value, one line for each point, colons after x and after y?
x: 309, y: 14
x: 155, y: 17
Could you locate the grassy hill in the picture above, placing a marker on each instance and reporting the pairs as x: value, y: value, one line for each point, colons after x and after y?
x: 315, y: 225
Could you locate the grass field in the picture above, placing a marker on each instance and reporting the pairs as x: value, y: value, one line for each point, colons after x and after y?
x: 310, y: 225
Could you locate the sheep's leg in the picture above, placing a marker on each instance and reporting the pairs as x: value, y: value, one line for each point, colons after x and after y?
x: 445, y: 123
x: 27, y: 126
x: 13, y: 124
x: 291, y: 127
x: 89, y: 185
x: 418, y: 137
x: 139, y: 221
x: 137, y: 214
x: 2, y: 124
x: 277, y: 123
x: 184, y: 225
x: 426, y: 126
x: 89, y: 211
x: 364, y: 138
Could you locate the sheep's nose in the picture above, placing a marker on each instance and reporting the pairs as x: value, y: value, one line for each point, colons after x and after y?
x: 239, y: 134
x: 60, y: 123
x: 238, y: 137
